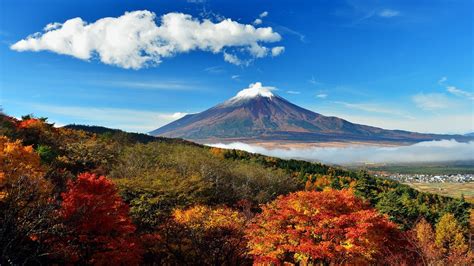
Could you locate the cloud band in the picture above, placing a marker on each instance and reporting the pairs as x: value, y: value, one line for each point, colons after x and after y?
x: 134, y: 40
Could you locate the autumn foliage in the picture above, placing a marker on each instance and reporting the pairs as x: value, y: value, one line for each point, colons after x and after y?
x: 98, y: 229
x: 445, y: 245
x: 204, y: 235
x: 24, y: 202
x: 319, y: 227
x: 17, y: 163
x: 30, y: 123
x: 170, y: 202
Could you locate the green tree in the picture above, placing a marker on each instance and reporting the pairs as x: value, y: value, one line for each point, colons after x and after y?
x: 366, y: 187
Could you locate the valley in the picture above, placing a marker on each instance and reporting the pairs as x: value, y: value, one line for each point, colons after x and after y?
x: 162, y: 191
x: 450, y: 189
x: 236, y: 133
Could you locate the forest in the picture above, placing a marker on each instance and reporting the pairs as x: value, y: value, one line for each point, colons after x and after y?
x: 97, y: 196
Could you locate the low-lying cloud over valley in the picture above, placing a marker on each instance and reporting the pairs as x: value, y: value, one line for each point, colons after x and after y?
x: 429, y: 151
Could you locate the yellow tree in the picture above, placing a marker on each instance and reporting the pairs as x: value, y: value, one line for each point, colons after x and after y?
x: 205, y: 235
x: 450, y: 241
x: 423, y: 238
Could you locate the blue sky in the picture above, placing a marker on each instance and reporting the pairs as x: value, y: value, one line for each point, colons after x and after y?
x: 394, y: 64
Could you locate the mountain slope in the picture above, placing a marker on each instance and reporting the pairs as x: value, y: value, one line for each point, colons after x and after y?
x: 257, y: 114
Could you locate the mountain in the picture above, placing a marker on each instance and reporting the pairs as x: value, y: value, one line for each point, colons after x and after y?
x: 257, y: 114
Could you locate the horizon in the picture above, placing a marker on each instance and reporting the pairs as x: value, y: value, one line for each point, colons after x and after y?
x: 254, y: 90
x: 390, y: 65
x: 206, y: 132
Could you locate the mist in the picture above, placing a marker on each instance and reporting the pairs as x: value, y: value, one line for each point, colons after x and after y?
x: 428, y: 151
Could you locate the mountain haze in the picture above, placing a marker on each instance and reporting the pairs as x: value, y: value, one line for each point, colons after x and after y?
x: 257, y: 114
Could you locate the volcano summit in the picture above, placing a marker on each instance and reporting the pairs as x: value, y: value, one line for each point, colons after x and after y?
x: 257, y: 114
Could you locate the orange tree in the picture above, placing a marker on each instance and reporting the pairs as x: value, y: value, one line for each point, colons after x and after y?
x: 34, y: 131
x: 422, y: 236
x: 96, y: 228
x: 24, y: 203
x: 202, y: 235
x: 446, y: 245
x: 332, y: 226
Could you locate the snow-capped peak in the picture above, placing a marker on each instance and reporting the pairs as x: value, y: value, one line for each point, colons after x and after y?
x: 254, y: 90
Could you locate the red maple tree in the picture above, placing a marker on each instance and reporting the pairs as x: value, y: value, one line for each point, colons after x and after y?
x: 97, y: 227
x: 30, y: 122
x: 332, y: 226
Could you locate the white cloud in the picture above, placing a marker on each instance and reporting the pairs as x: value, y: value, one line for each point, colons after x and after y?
x: 430, y: 151
x: 52, y: 26
x: 235, y: 77
x: 322, y: 95
x: 173, y: 116
x: 460, y: 93
x: 440, y: 123
x: 375, y: 108
x: 233, y: 59
x: 388, y: 13
x: 257, y: 21
x: 455, y: 91
x: 284, y: 30
x: 215, y: 69
x: 259, y: 51
x: 134, y: 40
x: 431, y: 101
x: 125, y: 119
x: 442, y: 80
x: 276, y: 51
x: 293, y: 92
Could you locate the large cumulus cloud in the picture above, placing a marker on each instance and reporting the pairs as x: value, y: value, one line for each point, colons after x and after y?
x: 135, y: 40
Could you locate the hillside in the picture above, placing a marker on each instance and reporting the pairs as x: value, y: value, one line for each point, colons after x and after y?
x: 164, y: 183
x: 257, y: 114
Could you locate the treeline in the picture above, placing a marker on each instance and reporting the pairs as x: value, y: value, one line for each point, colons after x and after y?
x: 91, y: 195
